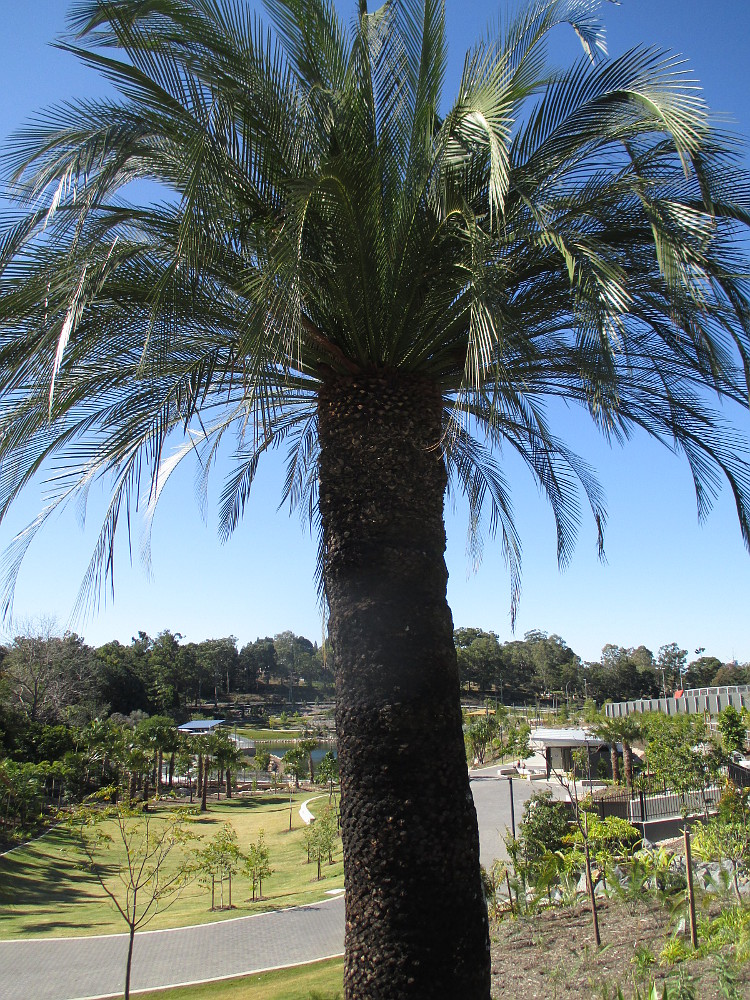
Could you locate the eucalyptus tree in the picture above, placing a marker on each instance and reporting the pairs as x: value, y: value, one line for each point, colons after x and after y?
x: 395, y: 287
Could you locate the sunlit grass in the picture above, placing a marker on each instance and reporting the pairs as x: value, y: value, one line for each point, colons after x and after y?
x: 45, y: 892
x: 325, y: 978
x: 277, y: 735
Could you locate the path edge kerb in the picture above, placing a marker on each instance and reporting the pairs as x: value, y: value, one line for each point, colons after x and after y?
x: 170, y: 930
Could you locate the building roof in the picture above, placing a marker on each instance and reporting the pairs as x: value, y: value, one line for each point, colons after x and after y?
x: 565, y: 738
x: 200, y: 726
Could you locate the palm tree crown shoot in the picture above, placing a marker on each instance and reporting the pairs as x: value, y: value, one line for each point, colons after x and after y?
x: 398, y: 286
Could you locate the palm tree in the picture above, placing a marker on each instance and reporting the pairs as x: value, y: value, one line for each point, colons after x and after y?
x: 229, y: 758
x: 395, y: 288
x: 624, y: 729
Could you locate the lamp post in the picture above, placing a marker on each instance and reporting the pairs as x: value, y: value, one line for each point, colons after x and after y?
x: 290, y: 802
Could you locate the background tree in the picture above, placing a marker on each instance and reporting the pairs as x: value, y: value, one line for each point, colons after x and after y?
x: 554, y: 663
x: 261, y: 658
x: 322, y: 838
x: 138, y: 859
x: 218, y: 660
x: 185, y: 760
x: 671, y: 664
x: 228, y: 757
x: 722, y: 840
x: 701, y: 672
x: 394, y: 285
x: 218, y: 861
x: 22, y: 787
x: 328, y: 771
x: 248, y: 669
x: 167, y: 675
x: 623, y: 674
x: 627, y: 729
x: 517, y: 740
x: 123, y: 682
x: 681, y: 753
x: 733, y: 729
x: 258, y: 864
x: 605, y: 730
x: 205, y: 746
x: 479, y: 732
x: 156, y: 736
x: 49, y: 677
x: 296, y: 763
x: 479, y: 656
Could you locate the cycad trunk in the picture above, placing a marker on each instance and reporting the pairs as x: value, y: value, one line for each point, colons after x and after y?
x: 416, y: 920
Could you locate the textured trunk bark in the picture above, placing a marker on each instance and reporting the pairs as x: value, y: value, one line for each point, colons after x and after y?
x: 416, y: 920
x: 627, y: 762
x: 615, y: 759
x: 204, y: 789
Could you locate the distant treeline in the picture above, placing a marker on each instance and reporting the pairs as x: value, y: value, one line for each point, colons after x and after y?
x: 49, y: 678
x: 542, y: 666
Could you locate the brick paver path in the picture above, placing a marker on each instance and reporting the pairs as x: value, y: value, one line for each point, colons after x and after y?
x: 62, y: 969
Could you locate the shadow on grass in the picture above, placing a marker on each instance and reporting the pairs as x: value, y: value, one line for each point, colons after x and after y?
x: 75, y: 927
x: 44, y: 874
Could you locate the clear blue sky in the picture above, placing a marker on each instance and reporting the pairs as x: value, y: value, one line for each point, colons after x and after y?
x: 666, y: 578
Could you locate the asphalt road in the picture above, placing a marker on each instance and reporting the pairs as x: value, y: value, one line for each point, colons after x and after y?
x: 492, y: 801
x: 76, y: 968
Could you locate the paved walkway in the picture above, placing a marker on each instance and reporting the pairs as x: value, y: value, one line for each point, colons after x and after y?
x: 492, y: 801
x: 66, y: 968
x: 77, y: 968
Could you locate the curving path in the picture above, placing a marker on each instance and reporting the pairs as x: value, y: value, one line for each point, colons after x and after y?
x: 77, y: 968
x: 66, y: 968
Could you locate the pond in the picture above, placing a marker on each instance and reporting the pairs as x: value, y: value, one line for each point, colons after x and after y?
x: 280, y: 749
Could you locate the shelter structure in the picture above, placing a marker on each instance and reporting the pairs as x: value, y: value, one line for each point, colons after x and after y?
x: 200, y: 727
x: 559, y: 745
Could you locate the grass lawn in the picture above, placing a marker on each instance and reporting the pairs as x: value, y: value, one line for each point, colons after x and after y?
x: 325, y: 978
x: 277, y: 735
x: 44, y: 892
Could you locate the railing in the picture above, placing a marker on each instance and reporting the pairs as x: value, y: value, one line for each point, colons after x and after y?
x: 640, y: 806
x: 670, y: 804
x: 652, y: 800
x: 739, y: 776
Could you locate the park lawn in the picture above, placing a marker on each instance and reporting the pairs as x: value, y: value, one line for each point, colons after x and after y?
x: 45, y: 893
x: 267, y: 735
x: 325, y: 978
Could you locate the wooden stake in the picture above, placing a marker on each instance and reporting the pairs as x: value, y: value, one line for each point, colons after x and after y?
x: 691, y: 896
x: 590, y: 882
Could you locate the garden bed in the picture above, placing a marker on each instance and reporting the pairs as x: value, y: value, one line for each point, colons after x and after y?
x: 552, y: 954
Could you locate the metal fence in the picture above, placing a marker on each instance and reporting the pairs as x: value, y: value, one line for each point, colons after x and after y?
x: 640, y: 806
x: 739, y: 776
x: 652, y: 800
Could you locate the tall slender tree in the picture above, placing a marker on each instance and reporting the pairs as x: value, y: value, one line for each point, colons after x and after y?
x: 395, y: 286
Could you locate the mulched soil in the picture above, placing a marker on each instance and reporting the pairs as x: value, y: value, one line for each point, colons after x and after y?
x: 552, y: 954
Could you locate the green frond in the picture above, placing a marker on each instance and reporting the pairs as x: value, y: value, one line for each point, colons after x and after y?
x: 573, y: 234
